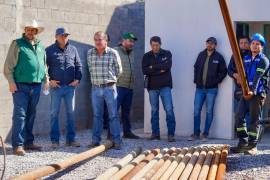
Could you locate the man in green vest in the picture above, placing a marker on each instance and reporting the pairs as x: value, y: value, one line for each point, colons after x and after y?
x: 25, y: 71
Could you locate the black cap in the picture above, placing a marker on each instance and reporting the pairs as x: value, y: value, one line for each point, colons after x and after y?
x: 212, y: 39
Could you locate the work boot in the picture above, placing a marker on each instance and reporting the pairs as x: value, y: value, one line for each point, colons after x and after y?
x: 252, y: 151
x: 19, y: 151
x: 240, y: 148
x: 73, y: 144
x: 154, y: 137
x: 130, y: 135
x: 193, y: 137
x: 171, y: 138
x: 32, y: 147
x: 116, y: 146
x: 55, y: 145
x: 204, y: 137
x: 93, y: 145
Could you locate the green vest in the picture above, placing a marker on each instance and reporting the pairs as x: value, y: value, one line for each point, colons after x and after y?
x: 31, y: 62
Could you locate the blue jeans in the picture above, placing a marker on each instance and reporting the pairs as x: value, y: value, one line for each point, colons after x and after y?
x: 166, y: 98
x: 200, y: 96
x: 67, y: 93
x: 25, y: 100
x: 124, y: 100
x: 109, y: 96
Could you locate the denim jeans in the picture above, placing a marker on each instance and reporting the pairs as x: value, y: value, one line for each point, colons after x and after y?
x: 200, y: 96
x: 25, y: 100
x: 124, y: 101
x: 57, y: 94
x: 166, y: 98
x: 100, y: 96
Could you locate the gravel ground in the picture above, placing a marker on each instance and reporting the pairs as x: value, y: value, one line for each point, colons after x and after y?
x: 239, y: 166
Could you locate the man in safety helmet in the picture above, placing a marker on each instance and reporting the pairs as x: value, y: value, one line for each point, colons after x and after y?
x: 257, y: 75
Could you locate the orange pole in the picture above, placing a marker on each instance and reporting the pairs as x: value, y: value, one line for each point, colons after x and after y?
x: 198, y: 166
x: 222, y: 165
x: 234, y: 45
x: 207, y: 163
x: 214, y: 166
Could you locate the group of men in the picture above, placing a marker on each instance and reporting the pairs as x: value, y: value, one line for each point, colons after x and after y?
x: 29, y: 64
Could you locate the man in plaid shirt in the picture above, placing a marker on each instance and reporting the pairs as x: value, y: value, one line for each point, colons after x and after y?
x: 105, y: 67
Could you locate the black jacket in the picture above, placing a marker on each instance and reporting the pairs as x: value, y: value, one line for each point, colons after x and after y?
x: 217, y: 70
x: 232, y: 70
x: 158, y: 69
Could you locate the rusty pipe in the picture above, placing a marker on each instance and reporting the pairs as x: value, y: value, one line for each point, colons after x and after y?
x: 222, y: 164
x: 186, y: 173
x: 120, y: 164
x: 181, y: 166
x: 145, y: 169
x: 137, y: 168
x: 49, y: 169
x: 207, y: 163
x: 214, y: 165
x: 198, y: 166
x: 174, y: 164
x: 125, y: 170
x: 234, y: 45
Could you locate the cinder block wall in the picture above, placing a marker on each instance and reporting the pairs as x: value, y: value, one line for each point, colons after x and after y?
x: 82, y: 18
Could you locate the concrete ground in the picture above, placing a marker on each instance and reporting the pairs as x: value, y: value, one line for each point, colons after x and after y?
x: 239, y: 166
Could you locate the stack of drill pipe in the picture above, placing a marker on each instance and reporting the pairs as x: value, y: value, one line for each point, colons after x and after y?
x: 194, y: 163
x: 125, y: 170
x: 120, y: 164
x: 148, y: 158
x: 154, y: 170
x: 146, y: 168
x: 174, y: 164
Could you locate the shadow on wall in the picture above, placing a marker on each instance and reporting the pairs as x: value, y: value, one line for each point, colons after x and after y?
x: 130, y: 18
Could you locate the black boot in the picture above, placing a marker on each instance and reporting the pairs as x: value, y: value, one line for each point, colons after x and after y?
x: 130, y: 135
x: 240, y: 148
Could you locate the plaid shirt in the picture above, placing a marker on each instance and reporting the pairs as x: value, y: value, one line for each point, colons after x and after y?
x: 105, y: 68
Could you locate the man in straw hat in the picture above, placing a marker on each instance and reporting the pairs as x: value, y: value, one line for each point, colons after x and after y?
x: 25, y: 71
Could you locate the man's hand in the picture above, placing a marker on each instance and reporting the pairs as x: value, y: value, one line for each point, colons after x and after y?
x: 54, y: 83
x: 12, y: 87
x: 237, y: 78
x: 46, y: 87
x: 74, y: 83
x: 249, y: 95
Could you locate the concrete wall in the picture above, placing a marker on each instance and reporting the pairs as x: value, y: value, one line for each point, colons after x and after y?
x: 184, y: 26
x: 82, y: 18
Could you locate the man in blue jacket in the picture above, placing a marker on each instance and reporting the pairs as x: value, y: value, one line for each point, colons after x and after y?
x: 257, y: 75
x: 209, y: 70
x: 65, y: 72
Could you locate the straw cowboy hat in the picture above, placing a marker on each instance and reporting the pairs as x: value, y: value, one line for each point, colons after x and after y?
x: 33, y: 24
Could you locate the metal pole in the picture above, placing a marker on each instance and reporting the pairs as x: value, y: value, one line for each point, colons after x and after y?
x: 234, y: 45
x: 49, y: 169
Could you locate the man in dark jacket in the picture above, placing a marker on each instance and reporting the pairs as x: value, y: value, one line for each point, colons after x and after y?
x: 65, y: 72
x: 156, y: 65
x: 209, y: 70
x: 243, y: 43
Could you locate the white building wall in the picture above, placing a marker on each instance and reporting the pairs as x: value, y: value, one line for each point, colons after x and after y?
x: 184, y: 25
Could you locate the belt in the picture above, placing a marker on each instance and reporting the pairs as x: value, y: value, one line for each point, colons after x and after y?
x: 104, y: 85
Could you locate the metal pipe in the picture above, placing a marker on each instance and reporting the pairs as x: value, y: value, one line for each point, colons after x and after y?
x: 134, y: 171
x: 181, y: 166
x: 146, y: 168
x: 174, y: 164
x: 207, y: 163
x: 125, y: 170
x: 119, y: 165
x: 166, y: 165
x: 49, y: 169
x: 186, y: 173
x: 198, y: 166
x: 222, y: 164
x: 234, y: 45
x: 214, y: 166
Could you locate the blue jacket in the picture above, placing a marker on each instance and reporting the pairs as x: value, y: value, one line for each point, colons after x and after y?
x: 64, y: 65
x: 257, y: 72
